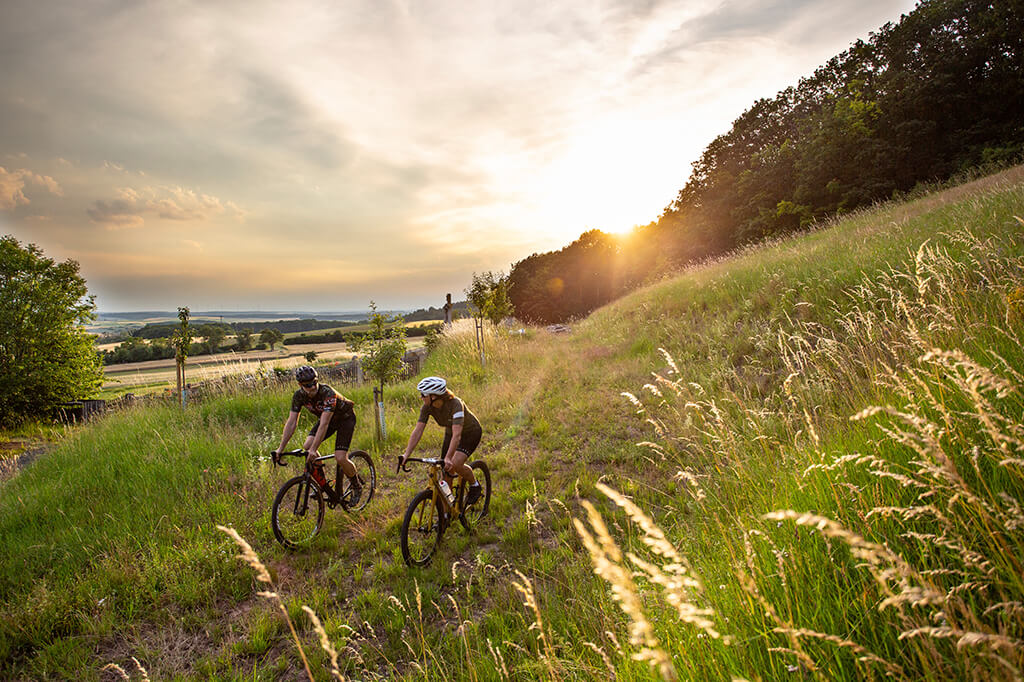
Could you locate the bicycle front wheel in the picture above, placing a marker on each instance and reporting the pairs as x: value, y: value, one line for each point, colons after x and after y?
x: 472, y: 515
x: 298, y: 512
x: 421, y: 529
x: 367, y: 481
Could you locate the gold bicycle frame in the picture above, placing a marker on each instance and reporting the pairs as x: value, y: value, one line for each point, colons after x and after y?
x: 435, y: 487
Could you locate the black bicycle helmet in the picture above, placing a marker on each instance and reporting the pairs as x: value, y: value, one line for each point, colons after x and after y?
x: 305, y: 374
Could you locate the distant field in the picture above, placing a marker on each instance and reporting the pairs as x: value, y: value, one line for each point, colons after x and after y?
x: 127, y: 322
x: 358, y: 328
x: 156, y: 375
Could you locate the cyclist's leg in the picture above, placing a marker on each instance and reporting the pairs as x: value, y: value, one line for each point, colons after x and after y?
x: 459, y: 467
x: 346, y: 427
x: 444, y: 453
x: 467, y: 444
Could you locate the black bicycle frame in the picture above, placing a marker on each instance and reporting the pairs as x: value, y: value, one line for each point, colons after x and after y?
x: 302, y: 500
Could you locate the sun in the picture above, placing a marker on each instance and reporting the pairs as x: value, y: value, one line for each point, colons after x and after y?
x: 611, y: 177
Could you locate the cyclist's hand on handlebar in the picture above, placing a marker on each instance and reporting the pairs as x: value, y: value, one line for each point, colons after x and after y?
x: 311, y: 457
x: 276, y: 458
x: 401, y: 461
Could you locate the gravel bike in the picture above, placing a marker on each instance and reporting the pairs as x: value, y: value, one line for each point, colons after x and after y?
x: 430, y: 512
x: 298, y: 510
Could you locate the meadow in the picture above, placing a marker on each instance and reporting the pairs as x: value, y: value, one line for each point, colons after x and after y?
x: 800, y: 461
x: 152, y: 376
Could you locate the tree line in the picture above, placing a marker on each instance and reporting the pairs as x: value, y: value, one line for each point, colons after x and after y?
x: 139, y: 349
x: 156, y: 330
x: 921, y: 100
x: 159, y: 330
x: 211, y: 338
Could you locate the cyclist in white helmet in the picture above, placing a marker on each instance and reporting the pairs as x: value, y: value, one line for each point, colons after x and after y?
x: 462, y: 431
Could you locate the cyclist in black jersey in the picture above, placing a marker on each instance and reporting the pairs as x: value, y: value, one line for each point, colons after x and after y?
x: 335, y: 416
x: 462, y: 431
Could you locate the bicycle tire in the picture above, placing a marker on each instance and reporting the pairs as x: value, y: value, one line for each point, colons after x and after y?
x: 478, y: 511
x: 294, y: 523
x: 363, y: 463
x: 426, y: 527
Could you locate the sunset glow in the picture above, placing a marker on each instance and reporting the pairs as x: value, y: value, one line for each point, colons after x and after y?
x: 318, y: 155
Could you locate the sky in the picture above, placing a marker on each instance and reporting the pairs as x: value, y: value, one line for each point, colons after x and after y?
x: 319, y: 154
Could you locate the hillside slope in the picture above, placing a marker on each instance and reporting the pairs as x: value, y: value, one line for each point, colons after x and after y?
x: 742, y: 374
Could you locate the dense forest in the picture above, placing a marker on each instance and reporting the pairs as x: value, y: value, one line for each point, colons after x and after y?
x: 938, y: 93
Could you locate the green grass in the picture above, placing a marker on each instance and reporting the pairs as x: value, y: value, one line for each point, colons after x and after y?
x: 745, y: 372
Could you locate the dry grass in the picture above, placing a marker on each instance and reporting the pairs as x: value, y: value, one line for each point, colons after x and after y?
x: 668, y: 570
x: 262, y: 575
x: 947, y: 506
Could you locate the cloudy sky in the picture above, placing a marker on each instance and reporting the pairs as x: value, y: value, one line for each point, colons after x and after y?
x: 316, y: 154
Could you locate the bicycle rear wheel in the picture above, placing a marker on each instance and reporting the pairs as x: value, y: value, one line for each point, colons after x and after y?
x: 363, y: 463
x: 473, y: 514
x: 421, y: 529
x: 298, y: 512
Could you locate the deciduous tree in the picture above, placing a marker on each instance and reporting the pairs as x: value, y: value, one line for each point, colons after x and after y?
x: 270, y: 336
x: 243, y: 339
x: 46, y: 356
x: 383, y: 347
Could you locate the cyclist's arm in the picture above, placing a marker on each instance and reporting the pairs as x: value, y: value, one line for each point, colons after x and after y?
x: 318, y: 438
x: 289, y: 429
x: 454, y: 445
x: 414, y: 438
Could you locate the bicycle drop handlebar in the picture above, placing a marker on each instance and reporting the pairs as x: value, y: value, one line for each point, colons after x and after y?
x: 278, y: 457
x: 402, y: 465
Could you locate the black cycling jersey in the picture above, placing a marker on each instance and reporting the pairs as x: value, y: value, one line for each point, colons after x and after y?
x: 450, y: 413
x: 326, y: 399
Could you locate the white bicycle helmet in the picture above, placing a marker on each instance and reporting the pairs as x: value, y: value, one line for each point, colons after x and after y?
x: 432, y: 386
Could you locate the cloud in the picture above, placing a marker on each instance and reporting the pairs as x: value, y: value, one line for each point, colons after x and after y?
x: 116, y: 214
x: 166, y: 203
x: 413, y: 137
x: 12, y: 186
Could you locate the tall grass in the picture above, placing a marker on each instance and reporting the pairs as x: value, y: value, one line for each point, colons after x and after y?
x: 917, y: 496
x: 816, y: 473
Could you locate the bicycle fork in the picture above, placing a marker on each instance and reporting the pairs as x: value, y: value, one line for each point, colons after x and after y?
x: 302, y: 499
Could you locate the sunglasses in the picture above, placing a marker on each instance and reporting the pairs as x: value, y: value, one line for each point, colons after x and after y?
x: 307, y: 384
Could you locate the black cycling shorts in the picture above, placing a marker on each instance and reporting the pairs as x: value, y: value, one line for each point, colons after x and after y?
x: 467, y: 443
x: 344, y: 425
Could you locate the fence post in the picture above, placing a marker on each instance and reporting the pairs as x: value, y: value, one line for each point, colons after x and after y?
x: 480, y: 339
x: 359, y: 370
x: 378, y: 414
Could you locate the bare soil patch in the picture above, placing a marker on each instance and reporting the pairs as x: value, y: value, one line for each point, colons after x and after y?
x: 18, y: 453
